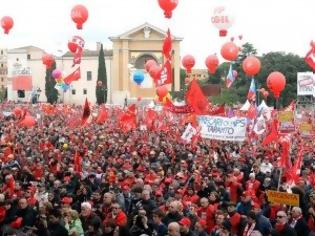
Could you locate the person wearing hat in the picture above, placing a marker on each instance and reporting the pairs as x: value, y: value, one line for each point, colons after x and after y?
x: 200, y: 228
x: 185, y: 224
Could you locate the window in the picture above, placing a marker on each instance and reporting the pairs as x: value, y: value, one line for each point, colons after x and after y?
x: 73, y: 91
x: 84, y: 91
x: 28, y: 56
x: 89, y: 75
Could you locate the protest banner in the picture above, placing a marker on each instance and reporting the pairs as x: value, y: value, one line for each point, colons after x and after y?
x: 223, y: 128
x: 286, y: 119
x: 283, y: 198
x: 305, y: 83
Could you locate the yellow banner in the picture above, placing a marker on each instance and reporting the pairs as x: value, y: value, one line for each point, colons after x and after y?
x: 285, y: 116
x: 283, y: 198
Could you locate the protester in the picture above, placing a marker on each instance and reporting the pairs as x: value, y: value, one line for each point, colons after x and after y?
x: 59, y: 177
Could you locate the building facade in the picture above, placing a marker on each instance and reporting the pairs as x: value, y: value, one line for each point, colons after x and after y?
x: 129, y: 53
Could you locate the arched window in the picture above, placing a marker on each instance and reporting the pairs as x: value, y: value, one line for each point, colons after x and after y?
x: 140, y: 61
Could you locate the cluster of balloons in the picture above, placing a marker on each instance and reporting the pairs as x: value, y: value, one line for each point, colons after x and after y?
x: 7, y: 24
x: 60, y: 84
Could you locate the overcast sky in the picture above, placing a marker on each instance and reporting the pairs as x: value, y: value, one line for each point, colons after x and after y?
x: 270, y: 25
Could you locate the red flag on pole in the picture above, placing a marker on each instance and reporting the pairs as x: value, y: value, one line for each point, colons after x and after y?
x: 86, y: 112
x: 196, y: 99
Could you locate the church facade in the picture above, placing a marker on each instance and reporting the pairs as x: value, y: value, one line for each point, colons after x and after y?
x: 129, y: 52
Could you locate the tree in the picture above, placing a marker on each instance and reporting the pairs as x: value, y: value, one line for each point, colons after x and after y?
x: 101, y: 87
x: 289, y: 65
x: 50, y: 91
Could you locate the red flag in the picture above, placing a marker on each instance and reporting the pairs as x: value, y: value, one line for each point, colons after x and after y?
x: 196, y: 99
x: 252, y: 112
x: 273, y: 135
x: 166, y: 76
x: 293, y: 173
x: 77, y: 162
x: 86, y: 112
x: 102, y: 116
x: 310, y: 58
x: 217, y: 110
x: 75, y: 75
x: 127, y: 122
x: 167, y: 45
x: 132, y: 108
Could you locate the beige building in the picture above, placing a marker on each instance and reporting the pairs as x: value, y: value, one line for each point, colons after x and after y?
x: 3, y: 68
x: 129, y: 52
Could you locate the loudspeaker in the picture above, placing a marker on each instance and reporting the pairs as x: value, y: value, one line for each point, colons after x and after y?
x: 21, y: 93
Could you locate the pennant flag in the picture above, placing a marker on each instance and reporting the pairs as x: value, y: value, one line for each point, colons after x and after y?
x: 75, y: 75
x: 310, y: 58
x: 167, y: 45
x: 230, y: 77
x: 196, y: 99
x: 251, y: 95
x: 285, y: 154
x: 86, y: 112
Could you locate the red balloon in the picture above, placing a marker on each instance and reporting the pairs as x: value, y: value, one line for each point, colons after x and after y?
x: 161, y: 91
x: 48, y: 60
x: 212, y: 63
x: 155, y: 72
x: 7, y: 23
x: 188, y: 62
x: 251, y: 65
x: 28, y: 121
x: 229, y: 51
x: 72, y: 47
x: 79, y: 15
x: 149, y: 64
x: 276, y: 83
x: 168, y: 6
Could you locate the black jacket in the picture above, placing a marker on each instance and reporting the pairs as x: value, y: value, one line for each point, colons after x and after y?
x: 301, y: 227
x: 287, y: 231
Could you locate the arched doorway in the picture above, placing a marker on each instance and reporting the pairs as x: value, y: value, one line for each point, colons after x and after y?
x: 141, y: 60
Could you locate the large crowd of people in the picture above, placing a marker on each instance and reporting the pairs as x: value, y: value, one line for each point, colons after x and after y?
x: 99, y: 180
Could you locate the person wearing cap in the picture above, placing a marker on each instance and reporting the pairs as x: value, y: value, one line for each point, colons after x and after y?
x: 185, y: 224
x: 200, y: 228
x: 252, y: 184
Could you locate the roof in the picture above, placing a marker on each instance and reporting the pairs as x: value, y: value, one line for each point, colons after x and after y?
x: 140, y: 27
x: 29, y: 47
x: 90, y: 53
